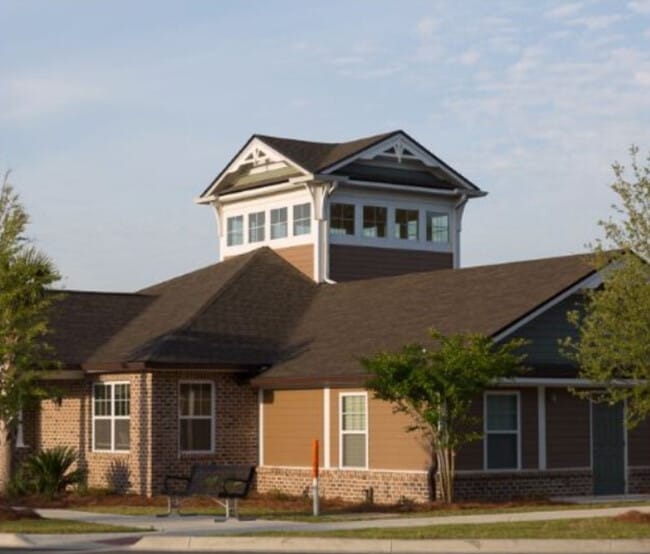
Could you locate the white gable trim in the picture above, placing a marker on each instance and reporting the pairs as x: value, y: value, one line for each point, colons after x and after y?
x: 405, y: 149
x: 592, y: 281
x: 256, y: 153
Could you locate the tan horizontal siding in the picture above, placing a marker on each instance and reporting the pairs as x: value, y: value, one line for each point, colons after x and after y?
x: 349, y: 263
x: 301, y: 257
x: 292, y: 420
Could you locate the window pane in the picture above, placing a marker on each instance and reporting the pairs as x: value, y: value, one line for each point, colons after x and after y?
x: 342, y: 219
x: 502, y: 451
x: 354, y: 450
x: 374, y: 221
x: 406, y: 224
x: 501, y: 412
x: 122, y: 400
x: 279, y: 223
x: 235, y: 231
x: 202, y: 400
x: 122, y: 434
x: 195, y: 434
x: 302, y: 219
x: 256, y: 224
x: 437, y: 227
x: 355, y: 403
x: 102, y: 400
x: 102, y: 434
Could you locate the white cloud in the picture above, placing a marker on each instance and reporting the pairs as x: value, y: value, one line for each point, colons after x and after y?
x: 564, y: 10
x: 426, y: 27
x: 597, y: 22
x: 643, y: 78
x: 640, y: 6
x: 469, y: 57
x: 31, y: 97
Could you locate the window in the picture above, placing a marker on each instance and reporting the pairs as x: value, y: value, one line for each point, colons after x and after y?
x: 111, y: 416
x: 279, y: 223
x: 302, y: 219
x: 374, y: 221
x: 256, y: 224
x: 196, y: 417
x: 406, y: 224
x: 235, y: 233
x: 342, y: 219
x: 354, y: 426
x: 437, y: 227
x: 20, y: 430
x: 502, y: 430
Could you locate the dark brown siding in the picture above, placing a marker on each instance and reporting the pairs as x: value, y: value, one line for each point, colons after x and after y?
x: 638, y: 440
x: 349, y: 263
x: 529, y: 455
x: 567, y: 430
x: 470, y: 456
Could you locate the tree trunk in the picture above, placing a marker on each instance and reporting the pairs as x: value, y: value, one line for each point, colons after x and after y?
x: 446, y: 469
x: 5, y: 458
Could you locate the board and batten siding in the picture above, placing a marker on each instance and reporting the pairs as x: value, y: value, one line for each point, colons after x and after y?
x: 544, y: 331
x: 639, y: 444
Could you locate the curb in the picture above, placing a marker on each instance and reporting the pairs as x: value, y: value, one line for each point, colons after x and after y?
x: 388, y: 546
x: 8, y: 540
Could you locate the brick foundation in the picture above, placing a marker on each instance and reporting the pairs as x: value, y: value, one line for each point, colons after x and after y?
x: 638, y: 480
x: 523, y: 484
x: 387, y: 486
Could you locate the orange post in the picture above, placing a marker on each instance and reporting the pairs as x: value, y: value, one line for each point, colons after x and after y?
x: 314, y: 475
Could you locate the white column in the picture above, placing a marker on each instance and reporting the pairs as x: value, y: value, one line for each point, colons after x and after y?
x: 541, y: 427
x: 326, y: 428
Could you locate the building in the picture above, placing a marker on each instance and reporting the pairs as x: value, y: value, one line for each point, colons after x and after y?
x: 330, y: 252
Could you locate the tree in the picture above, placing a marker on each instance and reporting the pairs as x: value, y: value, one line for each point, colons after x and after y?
x: 25, y: 274
x: 613, y: 344
x: 436, y: 386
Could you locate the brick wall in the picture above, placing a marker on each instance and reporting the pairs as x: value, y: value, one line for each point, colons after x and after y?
x: 154, y: 435
x: 390, y: 487
x: 638, y: 480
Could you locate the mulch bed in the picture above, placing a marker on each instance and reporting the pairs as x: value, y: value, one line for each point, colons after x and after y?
x: 8, y: 513
x: 634, y: 516
x: 273, y: 503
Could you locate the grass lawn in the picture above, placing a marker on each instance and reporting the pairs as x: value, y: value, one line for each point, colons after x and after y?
x: 61, y: 526
x: 593, y: 528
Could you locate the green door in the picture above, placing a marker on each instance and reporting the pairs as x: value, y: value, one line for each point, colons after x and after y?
x: 608, y: 447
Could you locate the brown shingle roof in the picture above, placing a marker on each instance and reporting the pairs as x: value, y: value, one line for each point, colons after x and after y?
x: 317, y: 156
x: 224, y: 314
x: 355, y: 319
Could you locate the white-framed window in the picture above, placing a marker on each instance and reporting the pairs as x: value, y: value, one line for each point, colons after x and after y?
x: 353, y: 433
x: 256, y: 224
x: 502, y: 440
x: 111, y: 416
x: 437, y: 227
x: 342, y: 219
x: 374, y: 221
x: 279, y: 228
x: 235, y: 230
x: 196, y: 416
x: 407, y: 224
x: 302, y: 219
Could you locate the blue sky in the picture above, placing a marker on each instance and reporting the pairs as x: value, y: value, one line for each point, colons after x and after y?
x: 115, y: 115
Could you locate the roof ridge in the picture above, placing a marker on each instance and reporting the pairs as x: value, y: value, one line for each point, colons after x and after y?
x: 210, y: 301
x: 100, y: 292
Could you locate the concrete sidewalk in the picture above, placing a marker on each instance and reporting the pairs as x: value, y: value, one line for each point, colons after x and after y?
x: 201, y: 533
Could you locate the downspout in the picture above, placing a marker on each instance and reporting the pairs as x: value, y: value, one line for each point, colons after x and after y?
x: 458, y: 210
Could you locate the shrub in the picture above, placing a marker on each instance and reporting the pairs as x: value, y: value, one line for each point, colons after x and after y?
x: 50, y: 471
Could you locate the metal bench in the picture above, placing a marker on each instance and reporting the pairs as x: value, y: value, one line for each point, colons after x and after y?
x: 224, y: 484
